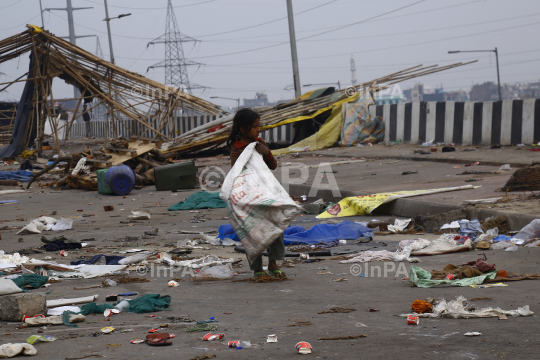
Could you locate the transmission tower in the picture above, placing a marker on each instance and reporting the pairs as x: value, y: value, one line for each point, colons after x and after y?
x: 99, y: 51
x: 175, y: 63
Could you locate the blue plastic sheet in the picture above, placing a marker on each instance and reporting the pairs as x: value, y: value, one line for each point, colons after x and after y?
x: 503, y: 238
x: 20, y: 175
x: 294, y: 234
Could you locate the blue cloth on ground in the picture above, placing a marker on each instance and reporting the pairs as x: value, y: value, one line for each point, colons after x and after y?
x: 20, y: 175
x: 109, y: 260
x: 294, y: 234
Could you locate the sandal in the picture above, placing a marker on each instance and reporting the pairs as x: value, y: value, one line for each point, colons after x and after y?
x: 259, y: 274
x: 158, y: 339
x: 278, y: 274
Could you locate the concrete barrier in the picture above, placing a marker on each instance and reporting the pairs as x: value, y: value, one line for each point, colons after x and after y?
x: 504, y: 122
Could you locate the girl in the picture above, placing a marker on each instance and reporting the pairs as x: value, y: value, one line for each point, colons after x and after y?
x: 245, y: 130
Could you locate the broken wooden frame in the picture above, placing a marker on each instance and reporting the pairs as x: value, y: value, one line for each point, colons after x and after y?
x: 127, y: 95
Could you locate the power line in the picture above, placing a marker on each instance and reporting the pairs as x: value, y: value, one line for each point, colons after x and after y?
x: 404, y: 32
x: 150, y: 8
x: 287, y: 42
x: 268, y: 22
x: 16, y: 2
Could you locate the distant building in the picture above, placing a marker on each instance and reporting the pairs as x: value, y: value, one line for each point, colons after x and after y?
x: 487, y: 91
x: 390, y: 99
x: 415, y: 94
x: 261, y: 99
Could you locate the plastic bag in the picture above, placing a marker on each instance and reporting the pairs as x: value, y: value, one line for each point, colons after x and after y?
x: 528, y: 233
x: 499, y: 245
x: 220, y: 272
x: 505, y: 167
x: 62, y: 224
x: 259, y: 208
x: 140, y: 215
x: 512, y: 248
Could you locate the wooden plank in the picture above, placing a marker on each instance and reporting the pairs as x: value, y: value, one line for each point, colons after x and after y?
x: 139, y: 146
x: 120, y: 151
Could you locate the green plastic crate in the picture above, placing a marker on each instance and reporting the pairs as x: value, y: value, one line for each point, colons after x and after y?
x: 103, y: 187
x: 176, y: 176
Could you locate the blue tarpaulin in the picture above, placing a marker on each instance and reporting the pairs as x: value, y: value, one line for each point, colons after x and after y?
x: 294, y: 234
x: 20, y: 175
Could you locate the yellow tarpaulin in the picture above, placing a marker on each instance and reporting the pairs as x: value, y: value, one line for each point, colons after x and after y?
x: 327, y: 135
x: 365, y: 204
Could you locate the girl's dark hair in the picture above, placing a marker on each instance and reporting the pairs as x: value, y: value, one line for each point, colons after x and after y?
x: 243, y: 118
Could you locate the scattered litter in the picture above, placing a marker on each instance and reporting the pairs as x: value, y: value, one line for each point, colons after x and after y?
x: 337, y: 310
x: 210, y: 337
x: 140, y: 215
x: 472, y: 334
x: 272, y: 338
x: 343, y: 337
x: 107, y: 330
x: 303, y: 348
x: 39, y: 338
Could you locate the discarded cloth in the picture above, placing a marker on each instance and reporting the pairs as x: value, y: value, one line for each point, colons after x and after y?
x: 399, y: 225
x: 55, y: 320
x: 295, y: 234
x: 20, y: 175
x: 466, y: 271
x: 421, y: 306
x: 63, y: 238
x: 358, y: 126
x: 10, y: 350
x: 149, y: 303
x: 200, y: 200
x: 94, y: 308
x: 34, y: 281
x: 345, y: 230
x: 470, y: 228
x: 422, y: 278
x: 445, y: 244
x: 62, y: 245
x: 481, y: 265
x: 460, y: 309
x: 109, y: 260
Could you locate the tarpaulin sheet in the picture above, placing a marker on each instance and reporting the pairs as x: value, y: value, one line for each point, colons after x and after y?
x: 17, y: 143
x: 20, y: 175
x: 365, y: 204
x: 294, y: 234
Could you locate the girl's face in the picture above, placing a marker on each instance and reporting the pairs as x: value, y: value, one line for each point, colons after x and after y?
x: 252, y: 133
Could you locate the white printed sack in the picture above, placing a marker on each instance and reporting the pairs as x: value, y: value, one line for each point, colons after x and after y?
x: 259, y: 208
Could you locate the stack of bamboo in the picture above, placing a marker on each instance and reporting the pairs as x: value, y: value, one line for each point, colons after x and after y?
x: 200, y: 138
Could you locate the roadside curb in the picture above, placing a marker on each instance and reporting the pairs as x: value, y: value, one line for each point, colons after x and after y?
x: 424, y: 158
x: 409, y: 207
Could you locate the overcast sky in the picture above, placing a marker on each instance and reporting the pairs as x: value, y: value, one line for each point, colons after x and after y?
x: 244, y: 43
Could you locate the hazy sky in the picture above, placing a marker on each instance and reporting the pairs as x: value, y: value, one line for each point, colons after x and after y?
x: 244, y: 43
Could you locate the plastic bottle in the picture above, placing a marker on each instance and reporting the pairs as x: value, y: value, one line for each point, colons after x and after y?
x: 244, y: 344
x: 122, y: 306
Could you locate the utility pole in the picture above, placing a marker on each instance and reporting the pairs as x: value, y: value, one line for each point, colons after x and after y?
x: 71, y: 25
x: 498, y: 75
x: 108, y: 20
x: 294, y: 55
x: 496, y: 58
x: 41, y: 8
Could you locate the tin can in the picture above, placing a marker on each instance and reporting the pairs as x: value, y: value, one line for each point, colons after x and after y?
x: 412, y: 320
x: 303, y: 347
x: 233, y: 344
x: 450, y: 277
